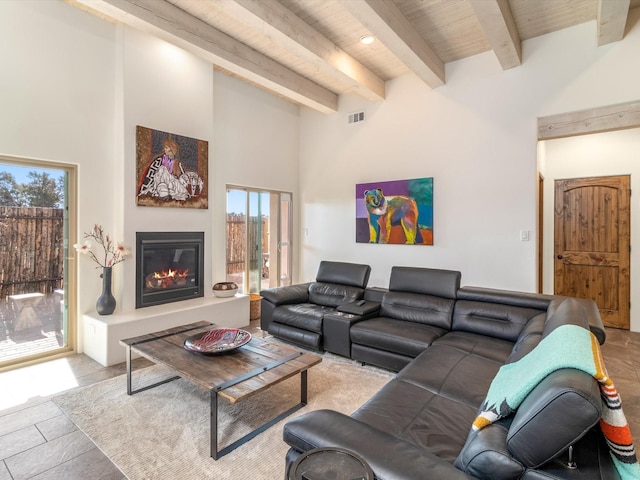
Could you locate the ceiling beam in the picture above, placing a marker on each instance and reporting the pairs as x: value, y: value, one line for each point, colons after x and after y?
x: 496, y: 20
x: 594, y: 120
x: 386, y: 22
x: 165, y: 21
x: 292, y: 33
x: 612, y: 19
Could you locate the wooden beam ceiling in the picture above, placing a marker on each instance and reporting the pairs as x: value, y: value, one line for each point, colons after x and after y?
x: 612, y: 19
x: 172, y: 24
x: 593, y: 120
x: 387, y: 23
x: 307, y: 51
x: 295, y: 35
x: 498, y: 24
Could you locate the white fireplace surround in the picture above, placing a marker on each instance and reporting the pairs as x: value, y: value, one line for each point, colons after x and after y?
x: 102, y: 334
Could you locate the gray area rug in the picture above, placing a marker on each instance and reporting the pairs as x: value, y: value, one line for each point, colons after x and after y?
x: 163, y: 433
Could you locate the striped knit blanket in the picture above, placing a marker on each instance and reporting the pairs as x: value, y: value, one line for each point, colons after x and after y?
x: 568, y: 346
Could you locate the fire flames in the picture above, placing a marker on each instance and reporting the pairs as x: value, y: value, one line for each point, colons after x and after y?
x: 167, y: 279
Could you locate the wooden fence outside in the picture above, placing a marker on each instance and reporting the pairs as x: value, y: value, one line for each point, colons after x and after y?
x: 237, y: 241
x: 31, y: 250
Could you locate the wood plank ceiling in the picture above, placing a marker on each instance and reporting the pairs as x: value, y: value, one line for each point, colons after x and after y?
x: 309, y: 51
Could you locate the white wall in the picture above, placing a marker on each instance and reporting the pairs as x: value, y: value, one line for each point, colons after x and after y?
x: 611, y: 153
x: 252, y: 135
x: 57, y: 103
x: 167, y: 89
x: 255, y: 144
x: 477, y: 136
x: 73, y: 89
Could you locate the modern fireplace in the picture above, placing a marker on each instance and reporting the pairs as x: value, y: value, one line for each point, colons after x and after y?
x: 169, y: 267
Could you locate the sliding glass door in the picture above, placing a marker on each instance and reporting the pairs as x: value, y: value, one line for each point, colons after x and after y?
x: 258, y: 238
x: 35, y: 279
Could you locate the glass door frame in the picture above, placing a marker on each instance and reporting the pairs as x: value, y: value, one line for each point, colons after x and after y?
x: 70, y: 279
x: 275, y: 264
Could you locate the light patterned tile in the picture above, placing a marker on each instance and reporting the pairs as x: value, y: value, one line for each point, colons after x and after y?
x: 48, y: 455
x: 28, y: 416
x: 4, y: 472
x: 19, y: 441
x: 92, y: 464
x: 56, y: 427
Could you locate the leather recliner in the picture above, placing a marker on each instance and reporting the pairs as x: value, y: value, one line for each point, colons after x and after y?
x: 417, y: 309
x: 295, y: 313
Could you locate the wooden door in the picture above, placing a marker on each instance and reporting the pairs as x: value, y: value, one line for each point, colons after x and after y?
x: 592, y: 244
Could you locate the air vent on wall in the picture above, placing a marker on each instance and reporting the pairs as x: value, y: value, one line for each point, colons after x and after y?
x: 356, y: 117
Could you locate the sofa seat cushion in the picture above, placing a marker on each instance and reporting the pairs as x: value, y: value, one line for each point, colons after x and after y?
x: 397, y: 336
x: 419, y: 416
x: 481, y: 345
x: 306, y: 316
x: 452, y: 373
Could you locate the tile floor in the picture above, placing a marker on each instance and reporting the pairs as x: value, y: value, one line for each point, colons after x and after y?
x: 38, y: 442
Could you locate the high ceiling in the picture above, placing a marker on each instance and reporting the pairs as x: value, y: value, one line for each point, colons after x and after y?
x: 309, y: 51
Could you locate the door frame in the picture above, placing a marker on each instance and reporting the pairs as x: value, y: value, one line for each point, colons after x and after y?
x: 275, y: 241
x: 606, y: 118
x: 70, y: 268
x: 620, y: 257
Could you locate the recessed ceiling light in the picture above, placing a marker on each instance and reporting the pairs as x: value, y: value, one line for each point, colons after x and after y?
x: 367, y: 39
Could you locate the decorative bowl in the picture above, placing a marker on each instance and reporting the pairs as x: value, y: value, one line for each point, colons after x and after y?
x: 225, y: 289
x: 218, y: 340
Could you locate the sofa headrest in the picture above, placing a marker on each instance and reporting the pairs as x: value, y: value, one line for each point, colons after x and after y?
x: 354, y: 274
x: 589, y: 311
x: 426, y: 281
x: 569, y: 311
x: 505, y: 297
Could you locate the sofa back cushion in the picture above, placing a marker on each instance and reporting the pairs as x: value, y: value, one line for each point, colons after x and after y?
x: 426, y: 281
x: 332, y: 295
x: 536, y: 301
x: 528, y: 339
x: 423, y: 295
x: 413, y: 307
x: 492, y: 319
x: 341, y: 273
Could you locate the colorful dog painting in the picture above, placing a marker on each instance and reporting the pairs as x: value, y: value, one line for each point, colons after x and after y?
x: 397, y: 212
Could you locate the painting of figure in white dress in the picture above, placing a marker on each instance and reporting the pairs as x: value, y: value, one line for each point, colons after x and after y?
x: 171, y: 169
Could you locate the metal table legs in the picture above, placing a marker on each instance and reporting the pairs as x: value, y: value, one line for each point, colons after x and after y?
x: 216, y: 454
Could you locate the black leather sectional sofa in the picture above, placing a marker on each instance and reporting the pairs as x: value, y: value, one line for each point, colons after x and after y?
x: 447, y: 343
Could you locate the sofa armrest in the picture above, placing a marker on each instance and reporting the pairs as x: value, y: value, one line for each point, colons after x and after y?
x: 388, y: 456
x: 355, y: 309
x: 287, y: 295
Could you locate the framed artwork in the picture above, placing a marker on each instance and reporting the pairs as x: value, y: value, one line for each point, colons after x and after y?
x: 172, y: 170
x: 395, y: 212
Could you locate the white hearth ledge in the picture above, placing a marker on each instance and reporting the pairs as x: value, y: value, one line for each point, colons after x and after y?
x: 102, y: 334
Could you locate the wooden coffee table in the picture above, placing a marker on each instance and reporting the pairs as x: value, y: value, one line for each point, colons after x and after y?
x: 235, y: 376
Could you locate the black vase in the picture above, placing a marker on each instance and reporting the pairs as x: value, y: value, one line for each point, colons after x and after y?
x: 106, y: 303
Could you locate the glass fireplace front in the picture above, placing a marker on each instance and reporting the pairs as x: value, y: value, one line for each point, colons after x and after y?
x: 169, y: 267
